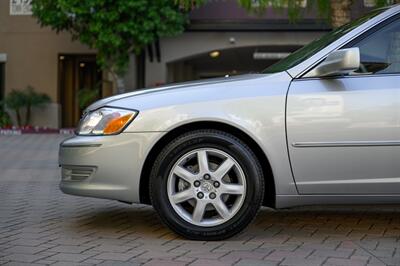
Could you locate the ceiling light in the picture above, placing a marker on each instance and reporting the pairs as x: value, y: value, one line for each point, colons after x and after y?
x: 269, y: 56
x: 214, y: 54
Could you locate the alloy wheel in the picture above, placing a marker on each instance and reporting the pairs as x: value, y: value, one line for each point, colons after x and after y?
x: 206, y: 187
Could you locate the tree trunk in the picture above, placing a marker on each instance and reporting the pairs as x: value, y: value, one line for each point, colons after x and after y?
x: 120, y: 84
x: 28, y: 115
x: 117, y: 81
x: 340, y: 12
x: 19, y: 122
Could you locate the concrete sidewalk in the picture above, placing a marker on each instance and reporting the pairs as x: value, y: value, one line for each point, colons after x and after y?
x: 41, y: 226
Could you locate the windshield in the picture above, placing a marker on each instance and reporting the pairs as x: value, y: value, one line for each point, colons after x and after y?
x: 317, y: 45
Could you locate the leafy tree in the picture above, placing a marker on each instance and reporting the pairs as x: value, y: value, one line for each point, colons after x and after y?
x: 115, y: 28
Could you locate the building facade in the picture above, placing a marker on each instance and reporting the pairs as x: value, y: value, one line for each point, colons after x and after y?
x: 30, y: 56
x: 221, y: 39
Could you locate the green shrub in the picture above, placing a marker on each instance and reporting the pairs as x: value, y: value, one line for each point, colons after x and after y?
x: 18, y: 100
x: 5, y: 119
x: 86, y: 97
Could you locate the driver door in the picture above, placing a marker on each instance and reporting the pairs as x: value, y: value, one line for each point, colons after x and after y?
x: 344, y: 132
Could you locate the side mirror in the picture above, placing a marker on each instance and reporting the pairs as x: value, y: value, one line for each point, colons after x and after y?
x: 336, y: 63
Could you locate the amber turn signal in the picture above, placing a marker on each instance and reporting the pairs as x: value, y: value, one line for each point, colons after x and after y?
x: 115, y: 125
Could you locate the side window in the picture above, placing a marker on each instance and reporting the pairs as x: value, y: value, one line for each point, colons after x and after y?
x: 380, y: 51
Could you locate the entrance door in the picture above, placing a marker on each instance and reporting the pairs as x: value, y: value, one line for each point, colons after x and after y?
x: 79, y: 75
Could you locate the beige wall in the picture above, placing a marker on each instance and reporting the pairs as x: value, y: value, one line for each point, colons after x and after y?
x: 32, y: 58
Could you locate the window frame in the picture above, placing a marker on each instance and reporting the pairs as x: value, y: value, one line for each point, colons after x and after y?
x: 369, y: 33
x: 350, y: 44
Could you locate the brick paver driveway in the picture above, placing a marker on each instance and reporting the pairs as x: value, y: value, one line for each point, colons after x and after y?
x: 40, y: 225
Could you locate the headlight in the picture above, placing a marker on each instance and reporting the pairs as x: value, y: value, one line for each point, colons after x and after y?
x: 105, y: 121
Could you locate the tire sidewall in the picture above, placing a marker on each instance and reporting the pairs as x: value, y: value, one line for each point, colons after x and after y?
x: 224, y: 142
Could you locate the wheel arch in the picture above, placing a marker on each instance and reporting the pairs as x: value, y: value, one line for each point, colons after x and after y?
x: 269, y: 196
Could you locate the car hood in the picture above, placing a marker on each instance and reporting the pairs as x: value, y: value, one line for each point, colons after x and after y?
x: 178, y: 86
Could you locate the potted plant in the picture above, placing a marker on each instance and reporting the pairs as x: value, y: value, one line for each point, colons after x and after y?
x: 19, y: 100
x: 34, y: 99
x: 15, y: 100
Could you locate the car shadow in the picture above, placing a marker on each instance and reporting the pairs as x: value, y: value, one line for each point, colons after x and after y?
x: 316, y: 223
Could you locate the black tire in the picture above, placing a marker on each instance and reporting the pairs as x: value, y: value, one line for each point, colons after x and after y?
x: 207, y: 138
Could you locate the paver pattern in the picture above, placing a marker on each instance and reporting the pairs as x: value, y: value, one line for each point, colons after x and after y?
x: 39, y: 225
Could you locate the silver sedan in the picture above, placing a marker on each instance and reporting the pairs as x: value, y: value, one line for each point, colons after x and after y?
x: 319, y: 127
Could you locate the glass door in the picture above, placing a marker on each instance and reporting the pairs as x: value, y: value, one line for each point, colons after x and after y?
x: 80, y: 82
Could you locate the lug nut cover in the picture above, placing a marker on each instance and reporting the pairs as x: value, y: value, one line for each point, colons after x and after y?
x: 212, y: 196
x: 216, y: 184
x: 196, y: 183
x: 200, y: 195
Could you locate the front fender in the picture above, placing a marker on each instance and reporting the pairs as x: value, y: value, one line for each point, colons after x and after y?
x: 256, y: 107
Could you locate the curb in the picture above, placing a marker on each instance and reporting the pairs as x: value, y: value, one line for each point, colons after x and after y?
x: 17, y: 132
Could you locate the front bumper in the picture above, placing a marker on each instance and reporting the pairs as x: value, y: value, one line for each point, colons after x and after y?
x: 105, y: 166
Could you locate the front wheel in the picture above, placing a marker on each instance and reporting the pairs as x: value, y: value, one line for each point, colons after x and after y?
x: 207, y: 185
